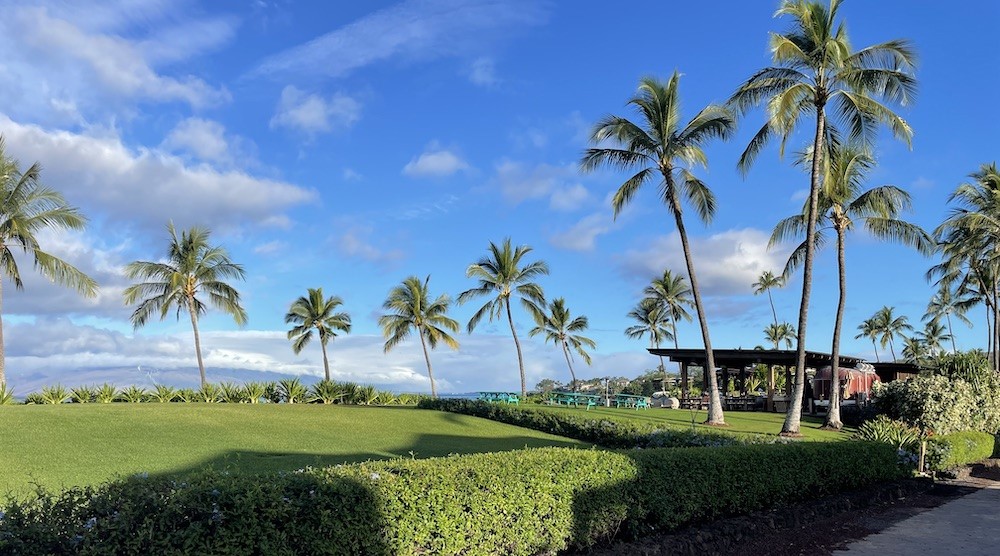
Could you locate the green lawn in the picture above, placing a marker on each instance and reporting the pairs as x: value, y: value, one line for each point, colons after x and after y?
x: 69, y: 445
x: 738, y: 421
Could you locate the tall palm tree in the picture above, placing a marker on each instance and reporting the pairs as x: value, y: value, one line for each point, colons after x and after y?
x: 815, y: 70
x: 915, y: 350
x: 932, y: 336
x: 888, y: 326
x: 868, y: 329
x: 778, y: 333
x: 412, y: 309
x: 559, y: 327
x: 843, y: 204
x: 502, y: 275
x: 673, y: 293
x: 651, y: 318
x: 194, y: 270
x: 28, y: 207
x: 945, y: 304
x: 312, y: 312
x: 767, y: 282
x: 662, y: 149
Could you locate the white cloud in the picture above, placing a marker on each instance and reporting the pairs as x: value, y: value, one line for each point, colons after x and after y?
x: 311, y: 113
x: 582, y: 236
x: 922, y: 183
x: 412, y: 30
x: 483, y: 72
x: 355, y: 242
x: 570, y: 198
x: 435, y: 162
x: 208, y: 141
x: 270, y: 247
x: 519, y: 182
x: 148, y: 186
x: 726, y: 263
x: 350, y: 174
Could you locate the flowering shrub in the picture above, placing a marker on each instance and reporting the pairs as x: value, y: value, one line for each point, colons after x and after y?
x: 948, y: 451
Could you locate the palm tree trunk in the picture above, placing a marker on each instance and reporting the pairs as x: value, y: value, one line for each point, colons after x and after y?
x: 951, y: 333
x: 326, y: 362
x: 517, y: 344
x: 892, y: 350
x: 875, y: 347
x: 570, y: 364
x: 996, y: 334
x: 793, y: 418
x: 3, y: 354
x: 773, y: 312
x: 197, y: 342
x: 715, y: 415
x: 427, y: 358
x: 833, y: 413
x: 673, y: 326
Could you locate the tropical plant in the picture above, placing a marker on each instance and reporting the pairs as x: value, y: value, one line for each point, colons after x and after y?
x: 385, y: 397
x: 327, y: 392
x: 292, y: 391
x: 34, y: 398
x: 406, y: 399
x: 209, y: 393
x: 501, y: 274
x: 55, y: 394
x: 653, y: 321
x: 27, y: 208
x: 351, y: 392
x: 778, y: 333
x: 933, y: 335
x: 674, y: 295
x: 868, y: 329
x: 255, y: 391
x: 945, y: 303
x: 662, y: 148
x: 916, y: 351
x: 272, y: 393
x: 412, y: 310
x: 187, y: 395
x: 82, y: 394
x: 232, y: 392
x: 163, y: 393
x: 888, y: 326
x: 888, y: 431
x: 105, y: 393
x: 194, y: 270
x: 816, y: 69
x: 844, y: 204
x: 558, y: 327
x: 367, y: 395
x: 767, y: 282
x: 315, y: 312
x: 133, y: 394
x: 6, y: 394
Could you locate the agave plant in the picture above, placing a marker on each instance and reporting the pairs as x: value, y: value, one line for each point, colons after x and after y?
x: 209, y: 393
x: 231, y: 392
x: 105, y: 393
x: 82, y: 394
x: 254, y: 391
x: 133, y: 394
x: 884, y: 429
x: 34, y: 398
x: 186, y: 395
x: 55, y: 394
x: 163, y: 393
x: 367, y: 395
x: 272, y: 393
x: 406, y: 399
x: 385, y: 397
x: 351, y: 393
x: 292, y: 391
x: 328, y: 392
x: 6, y: 394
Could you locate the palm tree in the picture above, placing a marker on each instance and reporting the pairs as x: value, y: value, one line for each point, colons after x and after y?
x: 26, y: 208
x: 559, y: 328
x: 500, y: 274
x: 843, y: 204
x: 778, y: 333
x: 945, y: 304
x: 932, y: 336
x: 868, y: 329
x: 816, y: 69
x: 194, y: 270
x: 661, y: 147
x: 673, y: 293
x: 652, y: 320
x: 311, y: 312
x: 412, y: 309
x: 767, y: 282
x: 888, y: 326
x: 915, y: 350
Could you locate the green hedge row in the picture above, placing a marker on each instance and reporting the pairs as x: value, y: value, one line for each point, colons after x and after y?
x: 524, y: 502
x: 599, y: 429
x: 947, y: 451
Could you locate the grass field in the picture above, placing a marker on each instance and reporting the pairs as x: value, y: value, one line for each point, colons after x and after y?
x: 738, y: 421
x: 70, y: 445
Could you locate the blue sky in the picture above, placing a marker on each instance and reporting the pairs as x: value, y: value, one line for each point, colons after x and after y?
x: 349, y: 145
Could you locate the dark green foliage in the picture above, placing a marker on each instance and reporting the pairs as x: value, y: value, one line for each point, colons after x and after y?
x: 603, y: 430
x: 523, y: 502
x: 948, y: 451
x: 884, y: 429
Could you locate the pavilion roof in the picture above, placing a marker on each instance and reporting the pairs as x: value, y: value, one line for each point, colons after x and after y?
x: 739, y: 358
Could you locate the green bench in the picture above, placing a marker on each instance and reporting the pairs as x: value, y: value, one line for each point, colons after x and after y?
x: 630, y: 401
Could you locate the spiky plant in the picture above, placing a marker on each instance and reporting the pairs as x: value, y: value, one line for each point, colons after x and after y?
x: 133, y: 394
x: 187, y: 395
x: 209, y: 393
x: 34, y: 398
x: 6, y: 394
x: 327, y: 392
x: 163, y: 393
x: 82, y: 394
x: 105, y: 393
x: 255, y: 391
x: 55, y: 394
x: 232, y: 392
x: 293, y: 391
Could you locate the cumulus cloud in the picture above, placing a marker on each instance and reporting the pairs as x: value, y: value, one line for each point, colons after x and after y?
x: 435, y: 162
x: 569, y: 198
x: 356, y: 242
x: 310, y: 113
x: 207, y: 140
x: 726, y: 263
x: 583, y: 235
x: 519, y: 182
x: 149, y: 186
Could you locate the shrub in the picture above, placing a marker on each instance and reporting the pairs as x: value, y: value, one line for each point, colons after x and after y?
x: 524, y: 502
x: 406, y: 399
x: 272, y: 392
x: 292, y: 391
x: 187, y: 395
x: 6, y: 394
x: 350, y: 393
x: 105, y: 393
x: 886, y: 430
x: 34, y: 398
x: 163, y: 393
x: 385, y: 397
x: 133, y: 394
x: 933, y: 403
x: 948, y: 451
x: 327, y: 392
x: 231, y: 392
x: 55, y: 394
x: 255, y: 391
x: 209, y: 393
x: 82, y: 394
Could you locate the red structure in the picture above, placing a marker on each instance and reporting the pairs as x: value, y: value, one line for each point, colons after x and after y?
x: 852, y: 382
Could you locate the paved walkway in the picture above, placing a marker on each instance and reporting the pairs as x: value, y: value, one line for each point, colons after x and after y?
x: 967, y: 526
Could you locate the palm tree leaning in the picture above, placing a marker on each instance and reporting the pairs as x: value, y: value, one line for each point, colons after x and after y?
x: 868, y: 329
x: 932, y: 336
x: 945, y: 304
x: 26, y: 208
x: 673, y: 293
x: 559, y: 327
x: 312, y: 312
x: 411, y: 309
x: 662, y: 150
x: 843, y: 203
x: 502, y: 275
x: 815, y: 68
x: 651, y: 318
x: 767, y: 282
x: 194, y: 270
x: 888, y: 326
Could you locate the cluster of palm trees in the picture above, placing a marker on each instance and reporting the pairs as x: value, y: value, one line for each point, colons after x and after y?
x: 666, y: 300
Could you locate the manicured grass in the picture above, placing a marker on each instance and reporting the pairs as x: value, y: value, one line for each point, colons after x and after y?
x: 738, y: 421
x: 79, y: 444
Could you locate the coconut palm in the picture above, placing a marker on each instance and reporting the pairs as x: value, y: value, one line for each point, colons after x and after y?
x: 767, y: 282
x: 559, y: 327
x: 844, y: 204
x: 663, y: 150
x: 27, y: 207
x: 915, y: 350
x: 945, y: 304
x: 816, y: 70
x: 502, y: 275
x: 778, y: 333
x: 652, y: 320
x: 194, y: 271
x: 673, y: 293
x: 888, y: 326
x: 868, y: 329
x: 314, y: 312
x: 932, y: 336
x: 411, y: 309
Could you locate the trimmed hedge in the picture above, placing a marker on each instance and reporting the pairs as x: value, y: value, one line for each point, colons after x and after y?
x: 948, y: 451
x: 524, y: 502
x: 602, y: 430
